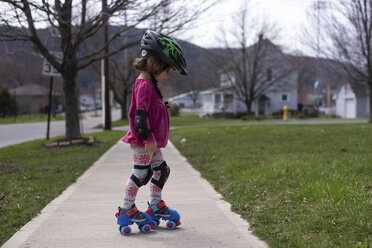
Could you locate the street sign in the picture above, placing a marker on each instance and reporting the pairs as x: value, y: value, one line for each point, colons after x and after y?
x: 49, y: 70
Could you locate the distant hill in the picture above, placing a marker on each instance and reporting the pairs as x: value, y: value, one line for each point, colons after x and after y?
x: 20, y: 64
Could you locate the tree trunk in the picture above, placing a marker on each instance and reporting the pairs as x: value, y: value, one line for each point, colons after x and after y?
x: 71, y: 103
x: 249, y: 107
x: 123, y: 111
x: 123, y: 104
x: 370, y: 102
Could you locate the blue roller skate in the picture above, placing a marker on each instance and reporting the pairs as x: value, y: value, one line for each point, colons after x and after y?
x: 125, y: 219
x: 161, y: 211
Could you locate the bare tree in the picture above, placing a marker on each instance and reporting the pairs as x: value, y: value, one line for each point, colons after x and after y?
x: 255, y: 70
x: 202, y: 80
x: 75, y: 24
x: 123, y: 79
x: 346, y: 29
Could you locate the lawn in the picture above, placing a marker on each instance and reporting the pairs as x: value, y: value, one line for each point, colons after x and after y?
x: 297, y: 185
x: 31, y: 176
x: 188, y: 121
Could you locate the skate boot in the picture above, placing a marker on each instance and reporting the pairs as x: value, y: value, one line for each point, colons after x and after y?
x: 161, y: 211
x: 125, y: 219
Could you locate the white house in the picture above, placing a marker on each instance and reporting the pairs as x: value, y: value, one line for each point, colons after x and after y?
x: 220, y: 100
x: 296, y: 89
x: 186, y: 100
x: 352, y: 101
x: 276, y: 87
x: 223, y: 100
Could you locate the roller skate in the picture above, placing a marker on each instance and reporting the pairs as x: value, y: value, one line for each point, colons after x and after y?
x: 125, y: 219
x: 161, y: 211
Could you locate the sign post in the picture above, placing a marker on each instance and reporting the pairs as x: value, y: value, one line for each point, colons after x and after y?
x: 49, y: 70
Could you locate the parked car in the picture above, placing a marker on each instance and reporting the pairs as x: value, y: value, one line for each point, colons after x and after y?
x: 83, y: 109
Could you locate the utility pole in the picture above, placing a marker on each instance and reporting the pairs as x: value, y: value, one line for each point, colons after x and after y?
x: 106, y: 70
x: 317, y: 54
x: 318, y: 96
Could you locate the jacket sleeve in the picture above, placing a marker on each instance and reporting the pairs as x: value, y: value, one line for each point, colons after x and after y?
x: 143, y: 101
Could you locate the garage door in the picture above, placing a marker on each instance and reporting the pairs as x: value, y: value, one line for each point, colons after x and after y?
x: 349, y: 108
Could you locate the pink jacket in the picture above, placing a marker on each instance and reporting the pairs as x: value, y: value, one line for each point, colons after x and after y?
x: 145, y: 97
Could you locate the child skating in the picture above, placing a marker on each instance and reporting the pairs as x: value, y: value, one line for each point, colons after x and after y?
x: 149, y: 131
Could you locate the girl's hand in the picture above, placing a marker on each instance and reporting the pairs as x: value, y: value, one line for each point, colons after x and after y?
x: 151, y: 147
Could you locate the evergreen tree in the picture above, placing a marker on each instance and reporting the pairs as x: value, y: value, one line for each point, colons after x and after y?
x: 8, y: 104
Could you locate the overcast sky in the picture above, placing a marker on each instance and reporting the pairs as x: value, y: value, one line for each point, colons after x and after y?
x: 289, y: 15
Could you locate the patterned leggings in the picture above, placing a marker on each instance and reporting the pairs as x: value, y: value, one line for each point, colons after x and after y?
x: 142, y: 158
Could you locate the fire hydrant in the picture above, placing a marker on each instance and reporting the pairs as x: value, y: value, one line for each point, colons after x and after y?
x: 285, y: 112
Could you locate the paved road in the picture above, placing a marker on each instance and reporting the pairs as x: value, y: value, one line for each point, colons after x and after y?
x: 12, y: 134
x: 17, y: 133
x: 83, y: 215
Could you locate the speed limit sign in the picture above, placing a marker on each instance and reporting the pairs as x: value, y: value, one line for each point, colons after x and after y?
x: 49, y: 70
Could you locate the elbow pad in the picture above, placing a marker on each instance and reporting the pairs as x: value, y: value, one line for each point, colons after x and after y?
x: 140, y: 124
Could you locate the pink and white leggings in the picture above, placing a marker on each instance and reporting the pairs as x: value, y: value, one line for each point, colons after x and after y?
x: 142, y: 158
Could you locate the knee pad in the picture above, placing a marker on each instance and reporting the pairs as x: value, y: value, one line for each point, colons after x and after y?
x: 147, y: 178
x: 164, y: 173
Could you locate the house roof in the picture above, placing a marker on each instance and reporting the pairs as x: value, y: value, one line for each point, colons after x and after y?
x: 215, y: 90
x: 360, y: 90
x: 31, y: 90
x: 187, y: 94
x: 270, y: 47
x: 330, y: 71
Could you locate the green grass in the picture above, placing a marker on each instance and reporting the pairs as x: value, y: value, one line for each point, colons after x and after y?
x: 192, y: 121
x: 298, y: 186
x: 30, y: 118
x: 31, y: 176
x: 195, y: 121
x: 186, y: 121
x: 118, y: 123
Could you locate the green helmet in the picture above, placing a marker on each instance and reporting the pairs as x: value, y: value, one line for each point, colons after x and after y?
x: 166, y: 47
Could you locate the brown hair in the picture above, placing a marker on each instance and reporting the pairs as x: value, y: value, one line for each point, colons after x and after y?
x: 154, y: 65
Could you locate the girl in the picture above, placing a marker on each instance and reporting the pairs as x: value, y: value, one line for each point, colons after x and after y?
x: 149, y: 130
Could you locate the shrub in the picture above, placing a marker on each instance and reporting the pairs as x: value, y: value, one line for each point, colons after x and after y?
x: 8, y: 104
x: 174, y: 110
x: 248, y: 117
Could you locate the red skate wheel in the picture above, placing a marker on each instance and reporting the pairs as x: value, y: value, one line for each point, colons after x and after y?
x: 126, y: 230
x: 171, y: 225
x: 145, y: 228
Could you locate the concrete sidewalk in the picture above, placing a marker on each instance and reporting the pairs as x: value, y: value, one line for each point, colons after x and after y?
x: 83, y: 215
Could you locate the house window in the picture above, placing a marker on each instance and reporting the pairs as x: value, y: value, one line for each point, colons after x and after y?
x: 217, y: 99
x: 228, y: 98
x: 284, y: 97
x: 269, y: 74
